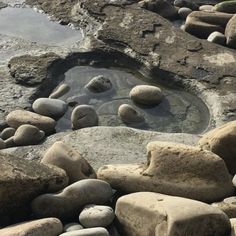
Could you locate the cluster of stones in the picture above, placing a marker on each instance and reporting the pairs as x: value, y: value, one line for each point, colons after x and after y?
x: 180, y: 190
x: 216, y: 23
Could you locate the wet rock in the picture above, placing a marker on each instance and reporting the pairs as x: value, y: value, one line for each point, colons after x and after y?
x: 97, y: 231
x: 184, y: 12
x: 99, y: 84
x: 54, y: 108
x: 184, y: 3
x: 22, y: 181
x: 166, y: 215
x: 226, y: 6
x: 206, y: 8
x: 2, y: 144
x: 228, y: 206
x: 217, y: 37
x: 71, y: 161
x: 161, y: 7
x: 221, y: 141
x: 60, y: 91
x: 45, y: 227
x: 7, y: 133
x: 204, y: 174
x: 146, y: 95
x: 20, y: 117
x: 96, y: 216
x: 129, y: 115
x: 84, y: 116
x: 28, y: 135
x: 72, y: 227
x: 230, y: 32
x: 70, y: 200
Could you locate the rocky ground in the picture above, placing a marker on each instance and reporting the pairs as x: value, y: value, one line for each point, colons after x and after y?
x: 100, y: 180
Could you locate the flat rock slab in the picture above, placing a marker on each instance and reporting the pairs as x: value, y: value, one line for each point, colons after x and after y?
x: 105, y: 145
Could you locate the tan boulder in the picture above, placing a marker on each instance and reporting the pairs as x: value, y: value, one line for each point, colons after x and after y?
x: 71, y: 161
x: 154, y: 214
x: 222, y: 141
x: 174, y: 169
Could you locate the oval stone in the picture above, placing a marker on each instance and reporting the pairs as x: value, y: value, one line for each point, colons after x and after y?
x: 72, y: 227
x: 60, y: 91
x: 99, y: 84
x: 7, y: 133
x: 98, y: 231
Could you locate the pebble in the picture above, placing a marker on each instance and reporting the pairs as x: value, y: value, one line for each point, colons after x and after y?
x: 2, y: 144
x: 217, y: 37
x: 206, y: 8
x: 54, y: 108
x: 226, y: 6
x: 98, y: 231
x: 184, y: 12
x: 7, y: 133
x: 99, y: 84
x: 84, y: 116
x: 60, y: 91
x: 72, y: 227
x: 96, y: 216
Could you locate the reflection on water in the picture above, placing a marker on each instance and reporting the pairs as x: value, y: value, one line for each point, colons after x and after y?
x: 178, y: 112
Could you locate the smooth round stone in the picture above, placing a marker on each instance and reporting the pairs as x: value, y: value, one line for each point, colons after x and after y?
x: 217, y: 37
x: 129, y: 115
x: 50, y: 107
x: 72, y: 227
x: 226, y: 7
x: 96, y: 216
x: 84, y: 116
x: 146, y: 95
x: 2, y: 144
x: 99, y: 84
x: 7, y: 133
x: 60, y: 91
x: 184, y: 12
x: 28, y: 135
x: 206, y: 8
x: 98, y: 231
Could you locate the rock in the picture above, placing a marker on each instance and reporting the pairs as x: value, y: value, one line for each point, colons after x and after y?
x: 217, y: 37
x: 98, y: 231
x: 10, y: 142
x: 184, y: 12
x: 146, y: 95
x: 22, y: 181
x: 70, y: 200
x: 99, y: 84
x: 230, y: 32
x: 129, y: 115
x: 54, y: 108
x: 60, y: 91
x: 226, y: 6
x: 189, y: 4
x: 149, y: 213
x: 96, y: 216
x: 161, y: 7
x: 234, y: 181
x: 168, y: 166
x: 206, y: 8
x: 233, y: 226
x: 221, y: 141
x: 64, y: 157
x: 7, y: 133
x: 72, y: 227
x: 84, y: 116
x: 28, y: 135
x: 21, y: 117
x: 2, y: 144
x: 45, y: 227
x: 228, y: 206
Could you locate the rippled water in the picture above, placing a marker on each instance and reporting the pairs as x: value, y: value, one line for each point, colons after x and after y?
x: 178, y: 112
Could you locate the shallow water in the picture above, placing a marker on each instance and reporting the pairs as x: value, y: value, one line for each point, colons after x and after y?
x: 35, y: 27
x: 178, y: 112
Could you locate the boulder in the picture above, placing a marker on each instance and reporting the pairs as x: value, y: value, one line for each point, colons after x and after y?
x: 97, y: 231
x: 41, y: 227
x: 60, y: 91
x: 230, y: 32
x: 7, y: 133
x: 54, y: 108
x: 147, y: 213
x: 28, y: 135
x: 21, y: 117
x: 174, y: 169
x: 226, y: 6
x: 72, y: 227
x: 221, y: 141
x: 64, y: 157
x: 217, y: 37
x: 99, y: 84
x: 69, y: 202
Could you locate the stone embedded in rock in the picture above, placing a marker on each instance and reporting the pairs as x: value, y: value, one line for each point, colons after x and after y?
x: 174, y: 169
x: 184, y: 12
x: 2, y: 144
x: 129, y: 115
x: 146, y: 95
x: 72, y: 199
x: 99, y: 84
x: 230, y: 32
x: 54, y: 108
x: 97, y: 231
x: 41, y: 227
x: 186, y: 3
x: 226, y: 6
x: 217, y: 37
x: 60, y: 91
x: 221, y: 141
x: 28, y: 135
x: 21, y: 117
x: 72, y: 162
x: 84, y: 116
x: 72, y: 227
x: 7, y: 133
x: 96, y: 216
x: 154, y: 214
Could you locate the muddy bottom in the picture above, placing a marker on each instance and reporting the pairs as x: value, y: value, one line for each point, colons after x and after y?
x: 178, y: 112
